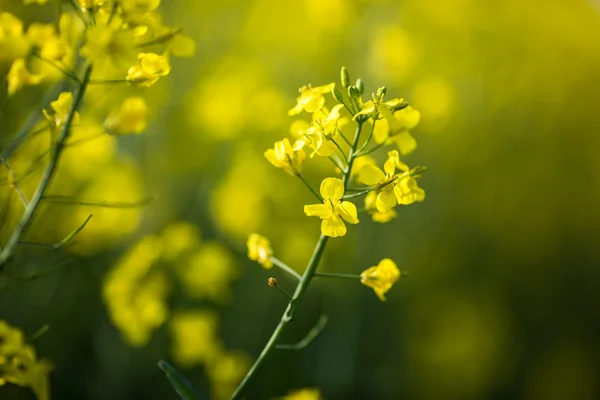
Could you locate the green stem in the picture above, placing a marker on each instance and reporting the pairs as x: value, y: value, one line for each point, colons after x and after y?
x: 299, y: 175
x: 340, y: 149
x: 27, y: 217
x: 336, y: 275
x: 280, y: 264
x: 367, y: 152
x: 356, y: 194
x: 366, y: 143
x: 307, y: 277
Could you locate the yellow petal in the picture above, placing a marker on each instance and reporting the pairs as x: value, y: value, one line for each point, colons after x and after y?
x: 371, y: 175
x: 326, y: 149
x: 332, y: 188
x: 314, y: 103
x: 347, y: 211
x: 381, y: 131
x: 272, y: 158
x: 385, y: 200
x: 183, y: 46
x: 296, y: 110
x: 405, y: 142
x: 408, y: 117
x: 317, y: 210
x: 333, y: 227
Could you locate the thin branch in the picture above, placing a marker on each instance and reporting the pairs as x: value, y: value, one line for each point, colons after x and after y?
x: 356, y: 194
x: 340, y: 149
x: 299, y: 175
x: 59, y: 199
x: 310, y: 336
x: 48, y: 172
x: 161, y: 39
x: 280, y: 264
x: 366, y: 143
x: 12, y: 182
x: 336, y: 275
x: 68, y: 74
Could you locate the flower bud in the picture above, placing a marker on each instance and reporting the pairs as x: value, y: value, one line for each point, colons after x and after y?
x: 360, y: 85
x: 381, y: 92
x: 353, y: 92
x: 399, y: 106
x: 272, y: 282
x: 344, y: 77
x: 337, y: 95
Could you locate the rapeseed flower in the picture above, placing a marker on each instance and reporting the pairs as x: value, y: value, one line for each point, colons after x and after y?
x: 60, y: 110
x: 19, y: 76
x: 311, y: 99
x: 381, y: 277
x: 129, y: 117
x: 148, y: 69
x: 259, y: 250
x: 283, y: 155
x: 333, y: 211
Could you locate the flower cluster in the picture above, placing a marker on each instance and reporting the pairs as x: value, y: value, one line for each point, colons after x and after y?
x: 19, y: 364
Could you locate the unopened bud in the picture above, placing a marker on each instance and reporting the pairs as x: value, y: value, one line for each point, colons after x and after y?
x: 272, y: 282
x: 337, y: 95
x: 353, y: 92
x: 344, y: 77
x: 381, y: 92
x: 360, y: 85
x: 399, y: 106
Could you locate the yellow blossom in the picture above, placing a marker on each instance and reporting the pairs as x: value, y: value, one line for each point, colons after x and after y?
x: 311, y: 98
x: 397, y: 126
x: 129, y: 117
x: 333, y: 210
x: 319, y: 136
x: 358, y: 164
x: 194, y: 336
x: 376, y: 215
x: 259, y: 250
x: 183, y: 46
x: 61, y: 108
x: 304, y: 394
x: 19, y: 364
x: 391, y: 188
x: 19, y: 76
x: 13, y: 43
x: 225, y: 370
x: 148, y: 69
x: 381, y: 277
x: 283, y: 155
x: 109, y: 45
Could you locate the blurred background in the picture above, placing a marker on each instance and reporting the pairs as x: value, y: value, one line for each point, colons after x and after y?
x: 502, y: 299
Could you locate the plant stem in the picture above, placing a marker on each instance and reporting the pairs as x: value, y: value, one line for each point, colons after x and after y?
x: 307, y: 277
x: 280, y: 264
x: 48, y: 173
x: 299, y: 175
x: 336, y: 275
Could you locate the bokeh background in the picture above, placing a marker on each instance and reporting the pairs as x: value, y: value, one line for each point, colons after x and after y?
x: 502, y: 297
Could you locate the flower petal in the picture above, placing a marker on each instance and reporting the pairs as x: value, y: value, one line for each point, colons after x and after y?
x: 385, y: 200
x: 347, y: 210
x: 405, y: 142
x: 370, y: 175
x: 314, y: 103
x: 332, y: 188
x: 317, y: 210
x: 333, y: 227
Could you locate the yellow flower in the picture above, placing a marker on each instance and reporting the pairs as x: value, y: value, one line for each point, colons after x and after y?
x: 397, y: 126
x: 19, y: 364
x: 129, y: 117
x: 183, y: 46
x: 376, y: 215
x: 61, y: 108
x: 392, y: 189
x: 283, y: 155
x: 19, y: 76
x: 319, y: 135
x: 12, y: 41
x: 333, y: 210
x: 194, y: 336
x: 110, y: 45
x: 311, y: 98
x: 259, y: 250
x: 149, y: 68
x: 381, y: 277
x: 304, y: 394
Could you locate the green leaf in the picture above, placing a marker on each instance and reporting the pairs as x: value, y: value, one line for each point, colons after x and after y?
x: 183, y: 388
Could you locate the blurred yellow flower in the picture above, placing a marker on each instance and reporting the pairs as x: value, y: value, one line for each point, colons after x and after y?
x: 381, y: 277
x: 225, y: 370
x: 283, y: 155
x: 12, y: 41
x: 303, y: 394
x: 311, y: 98
x: 19, y: 364
x: 194, y: 337
x: 179, y: 238
x: 259, y: 250
x: 109, y: 46
x: 149, y: 68
x: 129, y: 117
x: 333, y: 210
x: 183, y: 46
x: 19, y: 76
x: 397, y: 126
x: 60, y: 110
x: 208, y: 272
